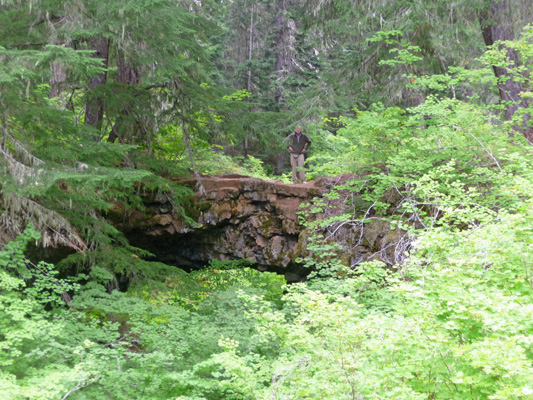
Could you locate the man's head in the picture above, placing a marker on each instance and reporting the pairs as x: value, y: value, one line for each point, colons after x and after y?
x: 298, y: 130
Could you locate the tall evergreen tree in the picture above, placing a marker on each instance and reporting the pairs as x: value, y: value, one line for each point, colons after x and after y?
x: 115, y: 66
x: 94, y: 108
x: 497, y: 25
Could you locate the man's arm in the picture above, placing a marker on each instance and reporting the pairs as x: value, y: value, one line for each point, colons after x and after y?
x: 307, y: 144
x: 289, y: 139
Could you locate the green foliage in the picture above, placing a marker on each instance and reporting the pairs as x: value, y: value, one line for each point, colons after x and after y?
x: 451, y: 320
x: 458, y: 328
x: 57, y: 176
x: 255, y: 166
x: 190, y: 290
x: 107, y: 342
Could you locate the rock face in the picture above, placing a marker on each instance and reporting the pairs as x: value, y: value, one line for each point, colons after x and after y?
x: 248, y: 218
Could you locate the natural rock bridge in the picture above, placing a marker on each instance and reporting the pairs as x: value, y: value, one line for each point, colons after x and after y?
x: 241, y: 217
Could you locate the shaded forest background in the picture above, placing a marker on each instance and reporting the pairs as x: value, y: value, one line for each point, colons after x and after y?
x: 105, y: 104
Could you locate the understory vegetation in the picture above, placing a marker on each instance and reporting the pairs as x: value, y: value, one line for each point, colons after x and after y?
x: 105, y: 106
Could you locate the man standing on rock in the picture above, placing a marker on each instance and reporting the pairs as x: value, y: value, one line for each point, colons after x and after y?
x: 298, y: 145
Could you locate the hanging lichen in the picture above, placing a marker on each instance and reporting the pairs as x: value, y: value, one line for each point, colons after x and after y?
x: 55, y: 229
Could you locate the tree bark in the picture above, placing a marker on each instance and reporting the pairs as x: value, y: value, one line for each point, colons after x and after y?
x: 94, y: 109
x: 497, y: 25
x: 250, y: 50
x: 199, y: 185
x: 59, y: 78
x: 127, y: 75
x: 412, y: 97
x: 286, y: 32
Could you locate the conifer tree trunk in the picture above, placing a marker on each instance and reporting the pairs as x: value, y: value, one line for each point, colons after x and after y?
x: 250, y: 50
x: 59, y: 77
x: 186, y: 139
x: 497, y: 24
x: 94, y: 109
x: 250, y: 54
x: 286, y: 32
x: 128, y: 75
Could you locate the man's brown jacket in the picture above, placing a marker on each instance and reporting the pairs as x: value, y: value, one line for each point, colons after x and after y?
x: 298, y: 143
